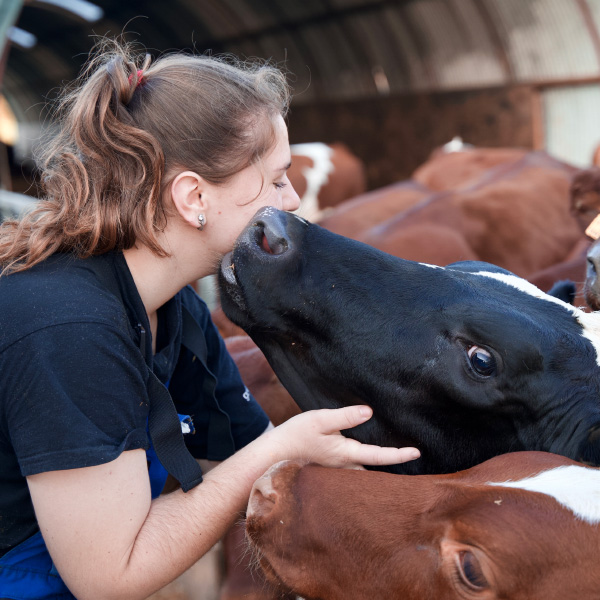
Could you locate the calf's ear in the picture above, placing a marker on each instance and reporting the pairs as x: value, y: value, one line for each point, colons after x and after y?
x: 563, y: 290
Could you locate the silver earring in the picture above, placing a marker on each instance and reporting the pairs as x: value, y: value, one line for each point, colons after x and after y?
x: 202, y: 222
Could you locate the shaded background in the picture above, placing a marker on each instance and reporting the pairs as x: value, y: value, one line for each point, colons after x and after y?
x: 392, y: 79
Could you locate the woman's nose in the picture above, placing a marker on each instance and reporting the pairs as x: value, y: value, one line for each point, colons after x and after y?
x: 291, y: 200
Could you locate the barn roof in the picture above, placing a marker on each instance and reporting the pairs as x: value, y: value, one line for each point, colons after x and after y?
x: 335, y: 48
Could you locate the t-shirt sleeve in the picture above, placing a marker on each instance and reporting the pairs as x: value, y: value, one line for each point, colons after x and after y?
x: 247, y: 418
x: 75, y: 396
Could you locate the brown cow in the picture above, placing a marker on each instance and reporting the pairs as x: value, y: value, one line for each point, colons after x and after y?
x: 585, y: 196
x: 324, y: 175
x: 585, y: 207
x: 442, y: 172
x: 522, y: 526
x: 456, y: 170
x: 352, y: 217
x: 516, y: 216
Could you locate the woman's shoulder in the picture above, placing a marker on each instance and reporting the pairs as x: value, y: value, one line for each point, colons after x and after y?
x: 60, y: 290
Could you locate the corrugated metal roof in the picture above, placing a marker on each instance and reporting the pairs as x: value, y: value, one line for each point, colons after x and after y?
x: 335, y: 48
x: 545, y: 39
x: 454, y: 34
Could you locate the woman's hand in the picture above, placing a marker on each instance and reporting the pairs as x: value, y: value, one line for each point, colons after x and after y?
x: 315, y: 436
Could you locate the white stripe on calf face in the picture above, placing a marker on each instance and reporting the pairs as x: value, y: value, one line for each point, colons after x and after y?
x: 575, y: 488
x: 589, y: 322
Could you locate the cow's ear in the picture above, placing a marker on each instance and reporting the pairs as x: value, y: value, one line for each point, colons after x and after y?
x: 564, y: 290
x: 476, y: 266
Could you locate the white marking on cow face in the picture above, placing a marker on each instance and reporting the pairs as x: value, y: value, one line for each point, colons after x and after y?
x: 316, y: 176
x: 269, y: 211
x: 589, y: 322
x: 576, y: 488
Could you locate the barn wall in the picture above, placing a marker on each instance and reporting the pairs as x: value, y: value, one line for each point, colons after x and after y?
x: 395, y: 134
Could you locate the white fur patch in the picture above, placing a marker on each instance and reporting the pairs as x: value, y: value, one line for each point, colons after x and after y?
x: 316, y: 176
x: 268, y: 211
x: 589, y: 322
x: 576, y: 488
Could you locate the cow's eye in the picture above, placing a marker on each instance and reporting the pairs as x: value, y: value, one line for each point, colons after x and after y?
x: 470, y: 571
x: 482, y: 361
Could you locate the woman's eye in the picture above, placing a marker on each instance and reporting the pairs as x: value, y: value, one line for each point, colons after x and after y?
x: 279, y: 185
x: 470, y: 571
x: 482, y: 361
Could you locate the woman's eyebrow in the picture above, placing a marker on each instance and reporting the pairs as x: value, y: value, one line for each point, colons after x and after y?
x: 285, y: 167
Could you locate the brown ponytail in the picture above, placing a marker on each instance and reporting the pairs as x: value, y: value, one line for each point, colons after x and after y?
x: 124, y: 131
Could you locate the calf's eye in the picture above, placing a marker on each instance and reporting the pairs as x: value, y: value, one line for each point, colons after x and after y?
x: 470, y: 571
x: 482, y: 361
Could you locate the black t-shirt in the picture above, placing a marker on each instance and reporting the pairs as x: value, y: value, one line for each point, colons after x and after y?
x: 73, y: 380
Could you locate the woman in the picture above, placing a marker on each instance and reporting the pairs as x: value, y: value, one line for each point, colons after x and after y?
x: 153, y: 174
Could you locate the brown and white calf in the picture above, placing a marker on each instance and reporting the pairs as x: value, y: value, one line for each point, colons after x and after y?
x: 520, y: 526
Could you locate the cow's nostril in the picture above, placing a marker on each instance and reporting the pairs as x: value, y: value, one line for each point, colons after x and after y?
x: 265, y: 244
x: 272, y: 243
x: 273, y: 246
x: 270, y: 232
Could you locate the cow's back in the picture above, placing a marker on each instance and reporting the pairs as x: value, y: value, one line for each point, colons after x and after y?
x: 516, y: 217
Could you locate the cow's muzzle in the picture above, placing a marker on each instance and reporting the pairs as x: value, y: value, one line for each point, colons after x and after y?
x: 265, y: 248
x: 266, y: 237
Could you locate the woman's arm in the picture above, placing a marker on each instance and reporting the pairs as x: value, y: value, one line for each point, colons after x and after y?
x: 110, y: 541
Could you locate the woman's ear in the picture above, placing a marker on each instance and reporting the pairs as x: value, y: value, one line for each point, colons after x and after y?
x: 186, y: 191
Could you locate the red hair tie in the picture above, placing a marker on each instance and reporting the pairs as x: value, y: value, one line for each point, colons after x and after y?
x: 140, y: 76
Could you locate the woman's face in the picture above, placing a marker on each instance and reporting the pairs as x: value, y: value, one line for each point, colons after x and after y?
x: 264, y: 184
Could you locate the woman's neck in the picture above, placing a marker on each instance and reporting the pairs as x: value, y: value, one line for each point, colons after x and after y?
x: 157, y: 279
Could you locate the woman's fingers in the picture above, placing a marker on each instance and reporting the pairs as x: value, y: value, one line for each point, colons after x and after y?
x: 330, y: 448
x: 365, y: 454
x: 332, y: 420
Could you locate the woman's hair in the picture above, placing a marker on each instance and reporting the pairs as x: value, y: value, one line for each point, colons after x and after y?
x: 123, y: 132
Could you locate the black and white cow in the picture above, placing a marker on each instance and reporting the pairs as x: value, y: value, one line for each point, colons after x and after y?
x: 465, y: 362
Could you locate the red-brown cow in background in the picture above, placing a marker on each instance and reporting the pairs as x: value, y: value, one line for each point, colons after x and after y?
x: 585, y: 207
x: 352, y: 217
x: 447, y: 169
x: 522, y: 526
x: 324, y: 175
x: 585, y: 196
x: 516, y: 216
x: 455, y: 169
